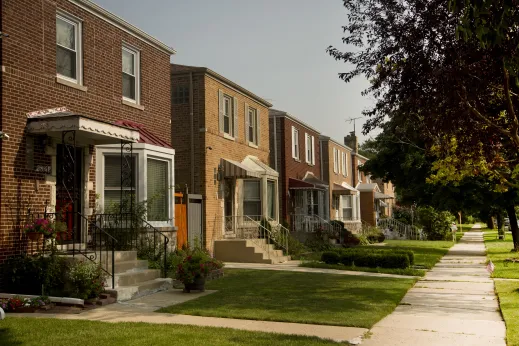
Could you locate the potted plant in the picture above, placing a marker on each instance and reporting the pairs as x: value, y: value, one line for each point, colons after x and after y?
x: 38, y: 229
x: 60, y: 230
x: 193, y: 270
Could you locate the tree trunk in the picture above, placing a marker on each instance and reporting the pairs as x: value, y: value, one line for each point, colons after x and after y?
x: 510, y: 209
x: 490, y: 222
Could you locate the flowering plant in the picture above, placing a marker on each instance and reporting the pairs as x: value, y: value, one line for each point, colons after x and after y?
x: 196, y: 265
x: 40, y: 226
x: 17, y: 302
x: 87, y: 278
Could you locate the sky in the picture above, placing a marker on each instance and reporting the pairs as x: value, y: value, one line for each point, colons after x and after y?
x: 274, y: 48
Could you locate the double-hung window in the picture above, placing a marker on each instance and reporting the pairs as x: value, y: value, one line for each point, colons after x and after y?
x: 116, y: 187
x: 180, y: 94
x: 347, y: 208
x: 309, y: 144
x: 252, y: 199
x: 295, y: 143
x: 271, y: 199
x: 359, y: 164
x: 252, y: 125
x: 157, y: 185
x: 335, y: 163
x: 227, y: 115
x: 68, y: 48
x: 131, y: 74
x: 344, y: 164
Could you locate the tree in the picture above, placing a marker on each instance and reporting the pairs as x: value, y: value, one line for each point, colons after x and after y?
x: 461, y: 94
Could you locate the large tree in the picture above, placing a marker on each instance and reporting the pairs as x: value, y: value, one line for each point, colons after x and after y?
x: 461, y: 94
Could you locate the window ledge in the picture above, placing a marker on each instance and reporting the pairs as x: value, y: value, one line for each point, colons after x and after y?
x: 296, y: 159
x: 252, y: 145
x: 132, y: 104
x: 68, y: 83
x: 228, y: 136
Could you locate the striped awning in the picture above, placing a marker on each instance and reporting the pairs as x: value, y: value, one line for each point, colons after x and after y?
x: 236, y: 169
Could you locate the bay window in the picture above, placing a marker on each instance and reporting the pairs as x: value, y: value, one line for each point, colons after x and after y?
x: 252, y: 199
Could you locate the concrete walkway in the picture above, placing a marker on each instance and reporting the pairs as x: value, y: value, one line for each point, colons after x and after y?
x: 142, y: 310
x: 454, y: 304
x: 293, y: 266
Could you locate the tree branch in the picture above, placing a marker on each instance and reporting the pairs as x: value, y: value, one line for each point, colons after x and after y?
x: 510, y: 106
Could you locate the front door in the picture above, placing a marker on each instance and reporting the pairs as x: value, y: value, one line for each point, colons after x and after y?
x: 228, y: 205
x: 69, y: 177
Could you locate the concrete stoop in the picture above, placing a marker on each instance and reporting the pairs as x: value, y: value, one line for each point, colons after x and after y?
x: 133, y: 279
x: 248, y: 251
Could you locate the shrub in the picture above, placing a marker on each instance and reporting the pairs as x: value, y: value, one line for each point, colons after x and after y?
x: 381, y: 237
x: 373, y: 234
x: 436, y: 225
x: 347, y: 258
x: 87, y: 279
x: 403, y: 214
x: 330, y: 257
x: 349, y: 239
x: 199, y: 264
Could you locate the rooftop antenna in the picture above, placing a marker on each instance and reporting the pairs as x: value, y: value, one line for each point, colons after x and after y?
x: 353, y: 119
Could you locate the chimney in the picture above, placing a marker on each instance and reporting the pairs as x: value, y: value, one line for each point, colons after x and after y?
x: 352, y: 142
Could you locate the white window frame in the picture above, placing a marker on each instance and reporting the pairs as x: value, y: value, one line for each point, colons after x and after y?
x: 335, y: 163
x: 260, y: 193
x: 344, y: 207
x: 344, y: 157
x: 359, y: 177
x: 309, y: 149
x: 295, y: 143
x: 231, y: 114
x: 137, y: 68
x: 78, y: 24
x: 142, y: 152
x: 254, y: 140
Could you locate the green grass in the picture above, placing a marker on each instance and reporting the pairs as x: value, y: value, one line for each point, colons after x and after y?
x: 408, y: 271
x: 508, y: 293
x: 16, y: 331
x: 498, y: 251
x: 426, y: 253
x: 298, y: 297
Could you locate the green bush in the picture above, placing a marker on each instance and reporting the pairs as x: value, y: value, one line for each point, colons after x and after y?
x: 436, y: 225
x: 350, y: 239
x: 87, y: 279
x: 370, y: 257
x: 330, y: 257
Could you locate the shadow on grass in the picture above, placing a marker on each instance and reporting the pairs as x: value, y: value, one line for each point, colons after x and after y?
x: 299, y: 297
x: 7, y: 338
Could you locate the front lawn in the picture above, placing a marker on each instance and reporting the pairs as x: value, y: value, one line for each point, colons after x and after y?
x: 16, y: 331
x: 498, y: 251
x: 284, y: 296
x: 426, y: 255
x: 508, y: 293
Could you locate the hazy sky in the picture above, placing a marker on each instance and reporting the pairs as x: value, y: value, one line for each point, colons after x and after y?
x: 274, y: 48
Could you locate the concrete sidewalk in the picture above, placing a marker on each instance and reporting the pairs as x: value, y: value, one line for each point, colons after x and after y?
x: 293, y: 266
x: 454, y: 304
x: 142, y: 310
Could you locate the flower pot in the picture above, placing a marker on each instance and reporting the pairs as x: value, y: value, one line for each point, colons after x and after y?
x: 35, y: 236
x: 24, y: 309
x: 197, y: 285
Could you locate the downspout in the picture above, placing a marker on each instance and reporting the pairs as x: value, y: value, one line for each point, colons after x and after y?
x: 274, y: 119
x: 191, y: 133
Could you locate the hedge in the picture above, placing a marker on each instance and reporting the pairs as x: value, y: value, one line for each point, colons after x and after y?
x: 409, y: 253
x: 370, y: 259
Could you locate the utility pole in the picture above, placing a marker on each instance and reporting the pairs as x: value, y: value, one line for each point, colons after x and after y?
x: 353, y: 119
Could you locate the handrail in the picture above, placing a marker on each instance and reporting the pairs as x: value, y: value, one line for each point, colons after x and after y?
x: 166, y: 241
x: 285, y: 233
x: 405, y: 230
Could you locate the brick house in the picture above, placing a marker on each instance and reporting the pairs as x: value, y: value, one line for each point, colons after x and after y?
x: 86, y: 105
x: 373, y: 202
x: 340, y: 172
x: 295, y: 153
x: 222, y: 148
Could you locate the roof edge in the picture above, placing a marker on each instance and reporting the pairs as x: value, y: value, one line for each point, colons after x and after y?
x: 326, y: 138
x: 293, y: 118
x: 122, y: 24
x: 224, y: 80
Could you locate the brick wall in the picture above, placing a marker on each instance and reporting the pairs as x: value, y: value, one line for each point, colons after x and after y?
x: 288, y: 167
x: 29, y: 84
x: 367, y: 207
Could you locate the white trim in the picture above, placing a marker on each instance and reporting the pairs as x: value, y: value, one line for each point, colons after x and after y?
x: 295, y: 143
x: 343, y: 162
x: 142, y: 152
x: 307, y: 137
x: 78, y: 37
x: 122, y: 24
x: 137, y: 71
x: 335, y: 163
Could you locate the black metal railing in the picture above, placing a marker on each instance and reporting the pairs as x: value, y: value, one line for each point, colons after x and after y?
x: 101, y: 250
x: 134, y: 233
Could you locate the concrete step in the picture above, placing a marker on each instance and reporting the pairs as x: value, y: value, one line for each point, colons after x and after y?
x: 143, y: 288
x: 128, y: 266
x: 124, y: 256
x: 136, y: 277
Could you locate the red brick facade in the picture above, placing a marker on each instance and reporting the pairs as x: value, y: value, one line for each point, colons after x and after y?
x: 281, y: 158
x: 29, y: 83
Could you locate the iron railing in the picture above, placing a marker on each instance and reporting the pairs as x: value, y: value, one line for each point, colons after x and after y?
x: 134, y: 233
x: 394, y: 229
x: 281, y: 234
x: 311, y: 223
x: 255, y: 228
x: 100, y: 251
